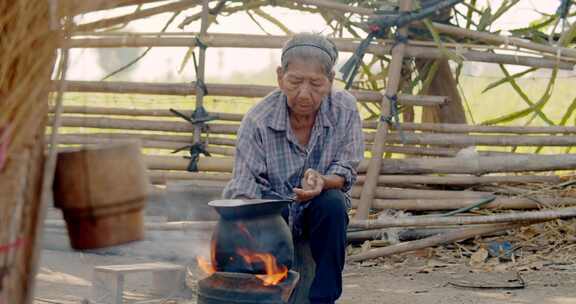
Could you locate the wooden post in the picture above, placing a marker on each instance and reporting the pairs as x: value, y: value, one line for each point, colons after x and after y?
x: 442, y: 82
x: 394, y: 71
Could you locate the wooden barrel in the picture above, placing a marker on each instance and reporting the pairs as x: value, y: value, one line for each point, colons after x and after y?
x: 102, y: 191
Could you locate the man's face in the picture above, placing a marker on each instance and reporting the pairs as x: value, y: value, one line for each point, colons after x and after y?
x: 305, y: 85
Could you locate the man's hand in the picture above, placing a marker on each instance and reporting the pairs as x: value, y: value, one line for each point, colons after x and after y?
x: 312, y: 186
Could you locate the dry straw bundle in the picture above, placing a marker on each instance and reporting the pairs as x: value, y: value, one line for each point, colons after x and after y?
x: 28, y: 42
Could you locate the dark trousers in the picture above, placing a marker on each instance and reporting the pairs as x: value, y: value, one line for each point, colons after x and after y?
x: 325, y: 224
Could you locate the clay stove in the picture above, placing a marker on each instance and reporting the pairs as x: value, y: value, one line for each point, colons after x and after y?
x: 251, y: 254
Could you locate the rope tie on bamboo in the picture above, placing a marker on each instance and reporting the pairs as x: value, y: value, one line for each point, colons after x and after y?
x: 197, y: 119
x: 195, y: 150
x: 393, y: 119
x: 200, y: 43
x: 399, y: 39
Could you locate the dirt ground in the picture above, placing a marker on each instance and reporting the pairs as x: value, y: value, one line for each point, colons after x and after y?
x: 65, y: 277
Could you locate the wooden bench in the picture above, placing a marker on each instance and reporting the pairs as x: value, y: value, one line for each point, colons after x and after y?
x: 108, y: 281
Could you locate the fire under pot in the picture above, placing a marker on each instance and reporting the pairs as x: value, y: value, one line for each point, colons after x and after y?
x: 251, y: 254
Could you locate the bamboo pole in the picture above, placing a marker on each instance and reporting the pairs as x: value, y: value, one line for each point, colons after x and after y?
x: 179, y: 139
x: 169, y: 141
x: 48, y: 170
x: 403, y: 193
x: 200, y: 70
x: 149, y: 125
x: 480, y: 165
x: 461, y: 179
x: 391, y: 179
x: 170, y: 7
x: 403, y: 235
x: 503, y: 40
x: 500, y: 203
x: 217, y: 40
x: 462, y: 128
x: 234, y: 90
x: 89, y: 110
x: 261, y: 41
x: 89, y: 140
x: 428, y: 221
x: 333, y: 5
x: 162, y: 177
x: 76, y: 7
x: 479, y: 56
x: 459, y: 140
x: 413, y: 150
x: 438, y: 239
x: 477, y: 165
x: 212, y: 164
x: 394, y: 75
x: 456, y: 140
x: 448, y: 45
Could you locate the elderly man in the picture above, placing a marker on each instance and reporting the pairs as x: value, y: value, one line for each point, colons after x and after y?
x: 303, y: 142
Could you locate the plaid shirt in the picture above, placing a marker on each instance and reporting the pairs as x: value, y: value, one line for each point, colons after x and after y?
x: 269, y: 160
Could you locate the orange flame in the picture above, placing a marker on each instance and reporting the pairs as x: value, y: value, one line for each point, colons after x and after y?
x: 205, y: 265
x: 274, y: 273
x: 208, y: 267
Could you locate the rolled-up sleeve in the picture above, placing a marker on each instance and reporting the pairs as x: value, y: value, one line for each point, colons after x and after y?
x: 350, y: 153
x: 249, y: 174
